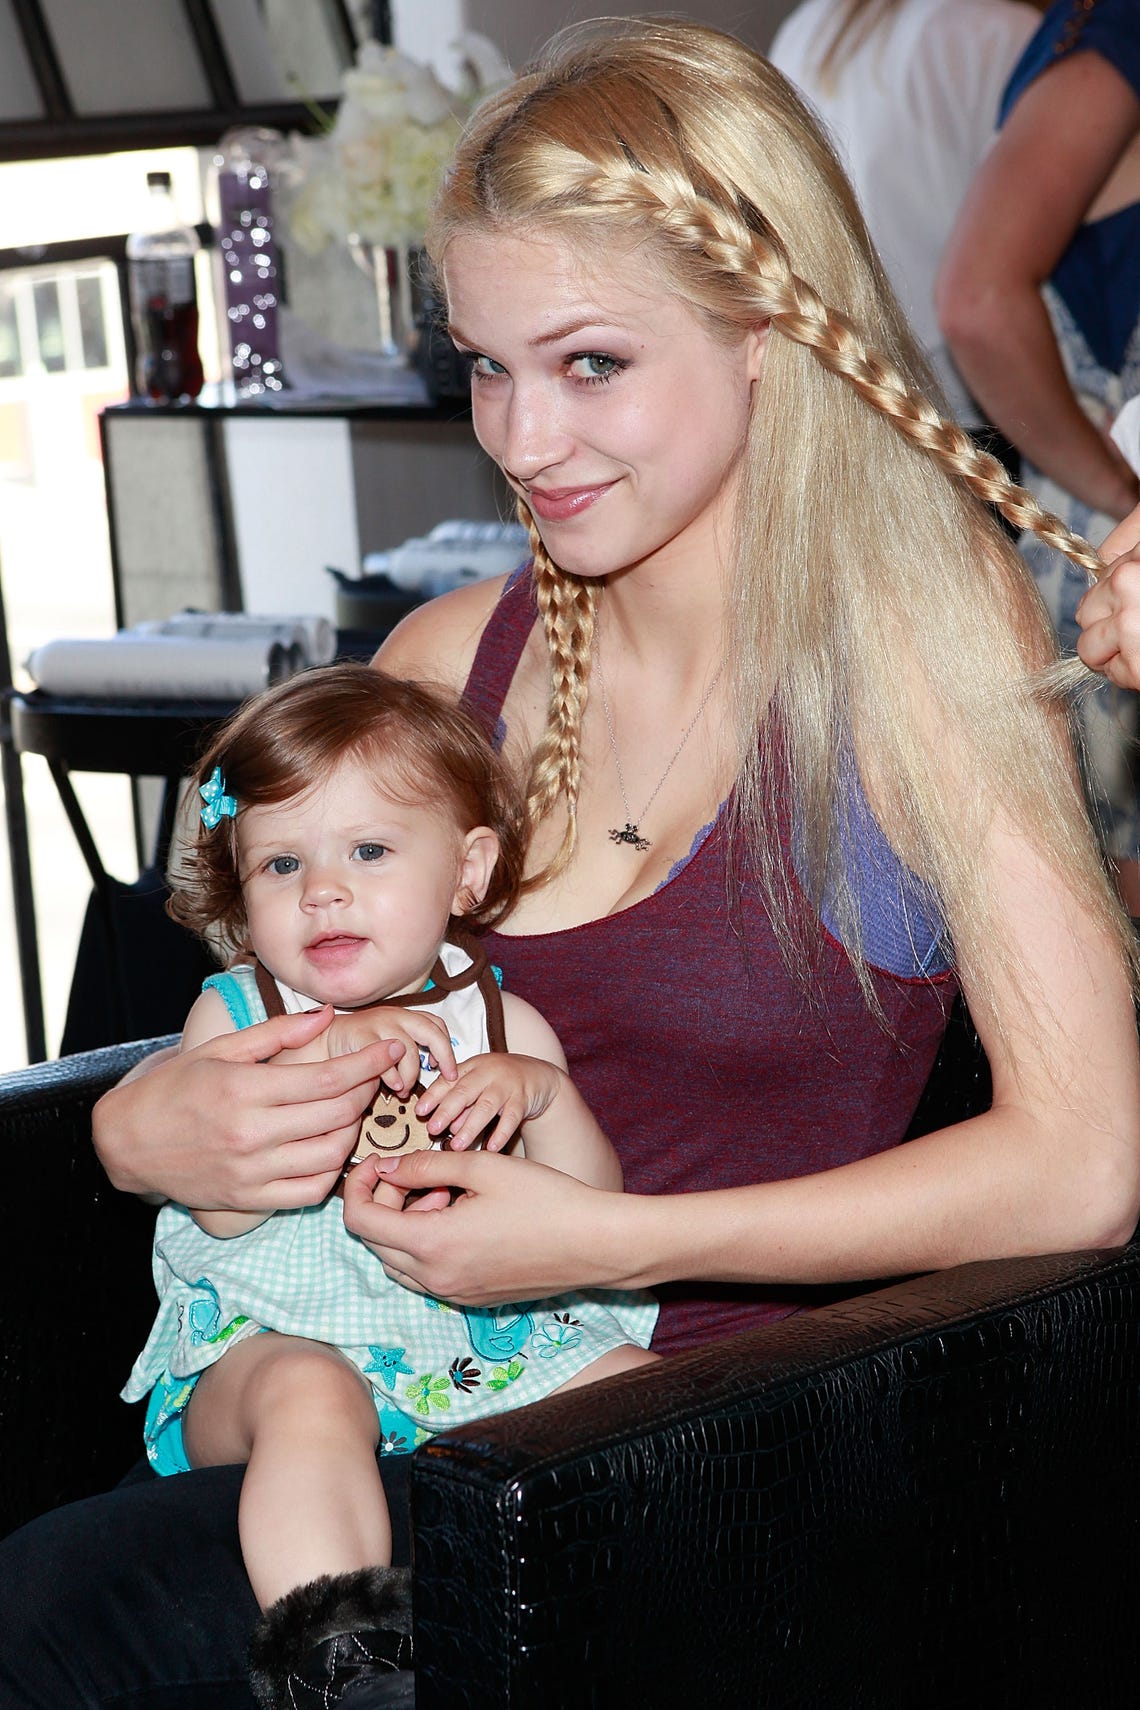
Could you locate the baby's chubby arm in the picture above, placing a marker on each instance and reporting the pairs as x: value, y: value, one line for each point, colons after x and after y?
x: 528, y: 1090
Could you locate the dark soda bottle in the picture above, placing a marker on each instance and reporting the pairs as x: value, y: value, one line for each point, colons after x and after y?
x: 164, y: 300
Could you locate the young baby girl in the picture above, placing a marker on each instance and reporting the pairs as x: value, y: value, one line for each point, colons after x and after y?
x: 354, y: 830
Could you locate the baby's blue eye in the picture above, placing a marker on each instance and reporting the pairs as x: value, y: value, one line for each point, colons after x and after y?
x: 369, y: 851
x: 283, y: 865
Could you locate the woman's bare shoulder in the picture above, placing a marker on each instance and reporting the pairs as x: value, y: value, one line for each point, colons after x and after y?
x: 436, y: 642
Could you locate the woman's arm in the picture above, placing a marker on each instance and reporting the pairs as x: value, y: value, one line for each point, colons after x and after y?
x: 1054, y: 154
x: 1053, y: 1166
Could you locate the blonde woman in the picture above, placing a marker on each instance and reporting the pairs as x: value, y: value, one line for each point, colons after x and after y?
x: 791, y: 782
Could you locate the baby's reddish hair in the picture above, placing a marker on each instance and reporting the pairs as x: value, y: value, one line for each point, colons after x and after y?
x: 426, y: 748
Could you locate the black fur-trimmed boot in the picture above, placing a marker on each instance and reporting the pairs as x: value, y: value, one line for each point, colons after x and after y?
x: 328, y: 1642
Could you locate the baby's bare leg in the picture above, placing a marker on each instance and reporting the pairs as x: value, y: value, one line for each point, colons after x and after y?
x: 304, y: 1421
x: 624, y: 1359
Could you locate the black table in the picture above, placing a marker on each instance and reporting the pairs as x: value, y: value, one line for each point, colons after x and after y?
x: 139, y: 739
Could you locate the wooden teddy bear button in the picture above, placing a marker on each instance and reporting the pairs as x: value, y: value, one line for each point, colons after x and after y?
x: 392, y: 1125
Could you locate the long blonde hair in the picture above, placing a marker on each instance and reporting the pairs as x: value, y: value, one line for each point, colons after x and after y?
x: 862, y: 554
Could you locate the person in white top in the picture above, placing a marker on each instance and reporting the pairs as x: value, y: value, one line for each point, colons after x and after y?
x: 909, y: 90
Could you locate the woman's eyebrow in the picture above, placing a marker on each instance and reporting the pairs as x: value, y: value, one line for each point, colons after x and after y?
x: 577, y: 325
x: 567, y: 330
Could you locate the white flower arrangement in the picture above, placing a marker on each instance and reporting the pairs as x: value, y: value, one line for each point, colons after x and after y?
x: 371, y: 177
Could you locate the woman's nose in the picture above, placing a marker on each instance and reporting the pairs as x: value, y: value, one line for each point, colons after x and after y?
x: 534, y: 436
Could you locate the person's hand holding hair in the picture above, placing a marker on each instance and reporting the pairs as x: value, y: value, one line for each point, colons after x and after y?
x: 1109, y: 614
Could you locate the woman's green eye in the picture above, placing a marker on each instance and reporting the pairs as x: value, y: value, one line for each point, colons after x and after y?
x: 595, y: 365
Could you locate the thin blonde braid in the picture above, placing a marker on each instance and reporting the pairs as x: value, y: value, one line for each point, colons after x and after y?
x: 796, y: 310
x: 567, y: 608
x: 732, y: 237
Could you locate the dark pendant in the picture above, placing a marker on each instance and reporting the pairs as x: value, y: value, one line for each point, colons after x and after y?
x: 629, y: 834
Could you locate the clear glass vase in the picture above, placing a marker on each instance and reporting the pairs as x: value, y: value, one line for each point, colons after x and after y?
x: 389, y: 266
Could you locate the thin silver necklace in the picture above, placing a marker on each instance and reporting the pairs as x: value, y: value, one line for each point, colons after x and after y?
x: 630, y: 832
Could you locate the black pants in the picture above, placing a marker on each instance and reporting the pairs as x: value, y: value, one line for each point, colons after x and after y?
x: 138, y: 1599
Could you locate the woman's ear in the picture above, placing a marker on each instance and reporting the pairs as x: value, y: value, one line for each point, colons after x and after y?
x: 755, y: 344
x: 480, y: 852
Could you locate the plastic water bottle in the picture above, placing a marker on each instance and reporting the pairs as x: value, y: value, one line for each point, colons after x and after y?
x: 164, y: 299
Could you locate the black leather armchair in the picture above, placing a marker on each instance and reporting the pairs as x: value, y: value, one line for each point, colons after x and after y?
x: 924, y: 1497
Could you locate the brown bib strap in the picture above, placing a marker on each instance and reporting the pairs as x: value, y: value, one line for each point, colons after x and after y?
x: 267, y: 991
x: 493, y: 1002
x: 480, y: 973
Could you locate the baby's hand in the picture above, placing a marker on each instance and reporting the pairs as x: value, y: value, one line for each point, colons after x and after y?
x: 500, y: 1088
x: 411, y: 1029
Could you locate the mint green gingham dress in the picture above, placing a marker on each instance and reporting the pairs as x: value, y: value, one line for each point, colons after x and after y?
x: 430, y: 1365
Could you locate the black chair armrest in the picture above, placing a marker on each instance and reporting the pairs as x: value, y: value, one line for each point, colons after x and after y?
x: 928, y: 1496
x: 79, y: 1305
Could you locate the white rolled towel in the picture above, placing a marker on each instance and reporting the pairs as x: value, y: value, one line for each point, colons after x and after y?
x: 133, y: 666
x: 313, y: 634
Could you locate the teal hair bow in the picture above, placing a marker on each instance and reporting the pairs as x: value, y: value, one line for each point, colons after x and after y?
x: 218, y: 805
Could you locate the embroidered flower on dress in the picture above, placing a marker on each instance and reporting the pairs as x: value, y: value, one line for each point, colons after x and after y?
x: 557, y: 1335
x: 504, y: 1375
x: 398, y: 1435
x: 429, y: 1391
x: 464, y: 1374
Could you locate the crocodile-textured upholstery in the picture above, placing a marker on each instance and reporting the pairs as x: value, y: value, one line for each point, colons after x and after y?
x: 925, y: 1497
x: 929, y: 1497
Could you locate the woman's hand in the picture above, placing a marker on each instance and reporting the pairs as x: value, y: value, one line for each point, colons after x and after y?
x: 1109, y: 614
x: 506, y: 1090
x: 517, y: 1231
x: 220, y: 1128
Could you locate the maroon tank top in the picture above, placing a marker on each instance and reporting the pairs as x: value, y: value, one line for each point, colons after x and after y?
x: 707, y: 1064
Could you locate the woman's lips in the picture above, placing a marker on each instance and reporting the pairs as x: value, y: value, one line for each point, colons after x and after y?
x: 556, y: 504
